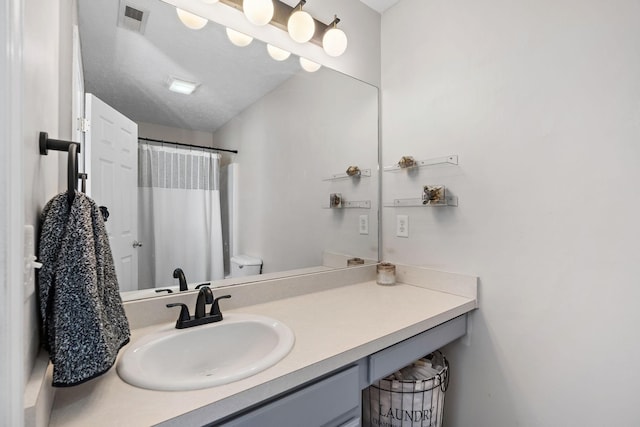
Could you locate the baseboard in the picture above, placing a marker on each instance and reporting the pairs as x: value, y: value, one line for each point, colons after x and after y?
x: 39, y: 394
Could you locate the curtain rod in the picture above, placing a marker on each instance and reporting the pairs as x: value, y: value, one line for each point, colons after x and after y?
x: 186, y: 145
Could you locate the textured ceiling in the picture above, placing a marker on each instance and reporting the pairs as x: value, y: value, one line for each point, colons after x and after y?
x: 380, y: 5
x: 129, y: 70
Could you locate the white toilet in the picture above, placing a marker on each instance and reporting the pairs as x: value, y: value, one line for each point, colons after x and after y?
x: 245, y: 265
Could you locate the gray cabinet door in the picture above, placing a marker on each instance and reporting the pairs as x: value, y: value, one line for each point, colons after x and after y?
x: 331, y: 401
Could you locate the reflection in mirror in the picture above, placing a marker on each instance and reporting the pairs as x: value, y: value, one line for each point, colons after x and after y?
x: 265, y: 207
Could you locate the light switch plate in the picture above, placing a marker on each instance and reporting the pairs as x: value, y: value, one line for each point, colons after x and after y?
x: 402, y: 225
x: 363, y: 224
x: 29, y: 257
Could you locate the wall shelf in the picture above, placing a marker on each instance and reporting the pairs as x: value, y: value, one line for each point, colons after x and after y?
x: 452, y: 159
x: 418, y: 203
x: 361, y: 204
x: 337, y: 176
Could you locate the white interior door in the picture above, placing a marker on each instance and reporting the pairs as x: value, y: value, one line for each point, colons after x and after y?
x: 111, y: 147
x: 77, y: 98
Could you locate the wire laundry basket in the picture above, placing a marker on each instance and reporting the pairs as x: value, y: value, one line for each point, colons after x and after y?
x: 408, y: 403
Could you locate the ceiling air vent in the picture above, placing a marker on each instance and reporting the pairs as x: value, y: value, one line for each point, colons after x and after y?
x: 132, y: 13
x: 132, y: 17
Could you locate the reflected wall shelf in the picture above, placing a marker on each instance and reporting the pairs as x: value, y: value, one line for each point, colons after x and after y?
x: 452, y: 159
x: 419, y: 203
x: 336, y: 176
x: 361, y: 204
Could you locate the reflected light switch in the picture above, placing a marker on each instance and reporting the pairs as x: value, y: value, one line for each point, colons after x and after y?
x: 402, y: 225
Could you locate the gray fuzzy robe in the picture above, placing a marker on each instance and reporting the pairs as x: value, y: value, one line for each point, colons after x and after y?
x: 83, y: 321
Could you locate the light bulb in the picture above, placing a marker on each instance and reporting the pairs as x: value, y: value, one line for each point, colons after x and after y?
x: 238, y: 38
x: 301, y: 26
x: 258, y: 12
x: 190, y: 20
x: 309, y: 65
x: 277, y: 53
x: 334, y: 42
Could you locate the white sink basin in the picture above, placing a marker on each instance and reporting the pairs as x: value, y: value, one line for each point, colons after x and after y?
x: 204, y: 356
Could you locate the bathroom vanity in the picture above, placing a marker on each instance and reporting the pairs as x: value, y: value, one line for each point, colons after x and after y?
x: 349, y: 332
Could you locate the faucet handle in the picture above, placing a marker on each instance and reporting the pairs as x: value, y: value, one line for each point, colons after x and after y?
x: 215, y: 308
x: 184, y: 314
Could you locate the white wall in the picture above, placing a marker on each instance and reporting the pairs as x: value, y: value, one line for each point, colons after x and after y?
x: 46, y: 86
x: 283, y: 158
x: 540, y: 99
x: 30, y: 84
x: 41, y: 82
x: 168, y: 133
x: 11, y: 215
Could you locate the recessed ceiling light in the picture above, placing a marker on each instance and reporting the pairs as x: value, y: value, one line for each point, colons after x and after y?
x: 181, y: 86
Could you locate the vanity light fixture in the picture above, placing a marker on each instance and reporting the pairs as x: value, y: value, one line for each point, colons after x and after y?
x: 277, y: 53
x: 181, y: 86
x: 309, y: 65
x: 258, y: 12
x: 190, y: 20
x: 301, y: 25
x: 238, y: 38
x: 334, y: 41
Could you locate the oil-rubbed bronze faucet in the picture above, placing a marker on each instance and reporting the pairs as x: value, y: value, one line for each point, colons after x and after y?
x: 205, y: 296
x: 179, y: 274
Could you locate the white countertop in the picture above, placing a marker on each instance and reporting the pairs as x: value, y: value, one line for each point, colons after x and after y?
x: 333, y: 328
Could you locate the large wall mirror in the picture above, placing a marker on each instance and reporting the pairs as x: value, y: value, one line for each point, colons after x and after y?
x: 266, y: 208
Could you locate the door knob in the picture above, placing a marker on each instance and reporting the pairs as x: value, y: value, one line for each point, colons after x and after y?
x: 137, y: 244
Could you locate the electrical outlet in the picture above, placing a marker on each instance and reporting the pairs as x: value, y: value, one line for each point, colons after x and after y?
x: 363, y: 224
x: 402, y: 225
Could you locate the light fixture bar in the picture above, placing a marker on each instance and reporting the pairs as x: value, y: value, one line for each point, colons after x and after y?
x: 281, y: 14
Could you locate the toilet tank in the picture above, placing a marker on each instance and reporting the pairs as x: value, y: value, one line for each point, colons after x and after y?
x: 245, y: 265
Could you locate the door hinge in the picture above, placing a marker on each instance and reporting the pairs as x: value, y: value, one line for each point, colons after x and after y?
x: 83, y: 125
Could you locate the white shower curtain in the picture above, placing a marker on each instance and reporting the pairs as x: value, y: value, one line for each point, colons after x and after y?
x: 179, y: 215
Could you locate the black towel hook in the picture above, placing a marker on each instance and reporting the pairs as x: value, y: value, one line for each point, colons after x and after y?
x: 73, y: 148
